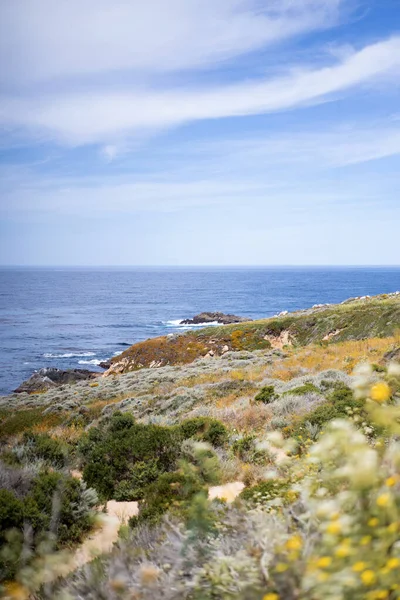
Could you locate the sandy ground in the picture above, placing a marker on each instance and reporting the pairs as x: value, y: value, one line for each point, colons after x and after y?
x: 227, y: 492
x: 102, y: 539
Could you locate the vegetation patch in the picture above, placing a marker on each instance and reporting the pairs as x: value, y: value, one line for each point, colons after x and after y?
x: 56, y: 510
x: 266, y: 395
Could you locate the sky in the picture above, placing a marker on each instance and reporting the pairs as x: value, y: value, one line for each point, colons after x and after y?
x: 199, y: 132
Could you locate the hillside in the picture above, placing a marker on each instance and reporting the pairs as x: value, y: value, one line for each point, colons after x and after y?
x: 280, y: 407
x: 352, y: 320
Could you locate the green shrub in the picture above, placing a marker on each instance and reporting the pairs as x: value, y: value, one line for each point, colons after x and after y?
x: 204, y: 429
x: 56, y: 504
x: 266, y: 395
x: 378, y: 368
x: 338, y: 405
x: 265, y: 490
x: 127, y: 451
x: 243, y: 445
x: 46, y: 448
x: 141, y: 474
x: 303, y: 389
x: 170, y: 491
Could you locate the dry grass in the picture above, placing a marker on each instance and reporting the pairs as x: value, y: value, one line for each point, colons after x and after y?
x: 250, y: 419
x: 343, y: 355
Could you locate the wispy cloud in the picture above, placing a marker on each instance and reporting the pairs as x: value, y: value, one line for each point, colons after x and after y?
x: 251, y: 171
x: 47, y: 39
x: 83, y: 118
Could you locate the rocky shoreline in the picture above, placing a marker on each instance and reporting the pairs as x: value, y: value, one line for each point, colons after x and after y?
x: 353, y: 319
x: 214, y: 317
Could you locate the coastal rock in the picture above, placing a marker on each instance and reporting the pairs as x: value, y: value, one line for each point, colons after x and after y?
x: 214, y: 317
x: 392, y: 356
x: 105, y: 364
x: 48, y: 378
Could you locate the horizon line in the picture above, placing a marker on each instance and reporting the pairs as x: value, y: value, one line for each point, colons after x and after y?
x: 196, y: 266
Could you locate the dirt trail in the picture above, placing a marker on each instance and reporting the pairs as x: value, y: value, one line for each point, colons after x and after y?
x: 101, y: 540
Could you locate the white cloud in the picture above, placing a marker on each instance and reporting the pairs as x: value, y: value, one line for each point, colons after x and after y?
x: 250, y: 172
x: 109, y: 152
x: 311, y: 151
x: 82, y: 118
x: 45, y: 39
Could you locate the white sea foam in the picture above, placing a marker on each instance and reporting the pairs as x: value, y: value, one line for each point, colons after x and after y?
x: 178, y: 323
x: 69, y: 355
x: 94, y: 361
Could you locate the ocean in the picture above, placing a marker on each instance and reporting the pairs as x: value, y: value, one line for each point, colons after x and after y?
x: 77, y: 317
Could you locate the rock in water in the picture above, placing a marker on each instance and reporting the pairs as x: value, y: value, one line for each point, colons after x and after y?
x: 214, y: 317
x: 48, y: 378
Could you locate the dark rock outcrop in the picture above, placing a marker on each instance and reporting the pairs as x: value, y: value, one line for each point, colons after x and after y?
x: 105, y: 364
x: 214, y: 317
x: 393, y: 355
x: 48, y: 378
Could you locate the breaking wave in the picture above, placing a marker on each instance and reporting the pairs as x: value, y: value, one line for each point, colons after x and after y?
x: 179, y: 324
x: 94, y: 361
x: 69, y: 354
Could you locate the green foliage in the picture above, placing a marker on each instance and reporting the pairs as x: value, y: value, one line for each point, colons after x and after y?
x: 301, y: 390
x: 55, y: 505
x: 141, y: 474
x: 18, y: 421
x: 205, y: 429
x: 265, y: 490
x: 129, y: 452
x: 46, y: 448
x: 243, y: 445
x: 378, y: 368
x: 266, y: 395
x: 340, y: 404
x: 170, y: 491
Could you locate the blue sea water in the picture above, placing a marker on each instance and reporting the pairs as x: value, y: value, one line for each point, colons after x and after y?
x: 76, y: 317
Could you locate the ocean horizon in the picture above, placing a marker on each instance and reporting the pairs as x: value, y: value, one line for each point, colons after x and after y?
x: 78, y: 316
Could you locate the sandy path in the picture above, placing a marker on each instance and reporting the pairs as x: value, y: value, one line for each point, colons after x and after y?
x: 102, y: 540
x: 227, y: 492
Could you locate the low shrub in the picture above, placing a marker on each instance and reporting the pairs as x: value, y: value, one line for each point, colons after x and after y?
x: 243, y: 445
x: 265, y: 490
x: 126, y: 451
x: 42, y: 446
x: 56, y: 506
x: 340, y: 404
x: 303, y: 389
x: 266, y: 395
x: 171, y: 491
x: 204, y: 429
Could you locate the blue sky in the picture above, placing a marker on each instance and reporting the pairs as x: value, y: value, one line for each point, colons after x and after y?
x: 199, y: 132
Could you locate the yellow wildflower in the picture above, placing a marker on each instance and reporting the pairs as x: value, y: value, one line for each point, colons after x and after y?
x: 373, y: 522
x: 378, y: 595
x: 383, y: 500
x: 368, y: 577
x: 359, y: 566
x: 380, y: 392
x: 393, y: 563
x: 365, y: 540
x: 324, y: 562
x: 271, y: 597
x: 391, y: 481
x: 334, y: 528
x: 294, y: 543
x: 281, y: 567
x: 393, y: 527
x: 342, y: 551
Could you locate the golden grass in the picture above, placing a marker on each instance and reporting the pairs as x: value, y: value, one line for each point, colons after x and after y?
x: 343, y: 356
